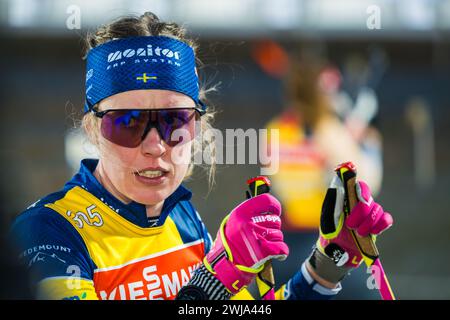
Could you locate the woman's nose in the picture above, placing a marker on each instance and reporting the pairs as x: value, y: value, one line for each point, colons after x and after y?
x: 153, y: 145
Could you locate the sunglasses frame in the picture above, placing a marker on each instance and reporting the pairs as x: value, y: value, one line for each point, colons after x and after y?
x: 101, y: 114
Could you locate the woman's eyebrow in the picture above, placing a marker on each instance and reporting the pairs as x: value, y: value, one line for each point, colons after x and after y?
x: 175, y: 103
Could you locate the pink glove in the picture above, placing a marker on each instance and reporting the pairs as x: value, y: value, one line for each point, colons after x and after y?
x: 366, y: 218
x: 248, y: 237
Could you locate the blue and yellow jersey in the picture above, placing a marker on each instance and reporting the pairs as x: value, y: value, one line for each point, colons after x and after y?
x: 83, y: 243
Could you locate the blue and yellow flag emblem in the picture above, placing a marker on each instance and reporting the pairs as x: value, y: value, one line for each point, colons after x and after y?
x: 146, y: 77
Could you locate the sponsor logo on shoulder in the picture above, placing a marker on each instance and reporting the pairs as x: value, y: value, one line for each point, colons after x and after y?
x: 44, y: 247
x: 45, y: 257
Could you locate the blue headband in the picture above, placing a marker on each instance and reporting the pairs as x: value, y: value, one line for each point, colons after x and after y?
x: 147, y: 62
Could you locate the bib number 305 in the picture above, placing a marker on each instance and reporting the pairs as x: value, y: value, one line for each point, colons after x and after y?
x: 92, y: 218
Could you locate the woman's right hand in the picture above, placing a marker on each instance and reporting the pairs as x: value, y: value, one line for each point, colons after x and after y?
x: 248, y: 237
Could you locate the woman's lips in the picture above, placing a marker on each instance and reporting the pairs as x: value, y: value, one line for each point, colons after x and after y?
x: 151, y: 176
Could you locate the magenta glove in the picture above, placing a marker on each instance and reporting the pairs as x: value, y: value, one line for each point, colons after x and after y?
x: 248, y: 237
x: 366, y: 218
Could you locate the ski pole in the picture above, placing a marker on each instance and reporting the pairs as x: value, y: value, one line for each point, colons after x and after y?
x: 265, y: 279
x: 347, y: 173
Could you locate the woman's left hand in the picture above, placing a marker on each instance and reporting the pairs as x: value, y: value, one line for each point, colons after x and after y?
x: 367, y: 219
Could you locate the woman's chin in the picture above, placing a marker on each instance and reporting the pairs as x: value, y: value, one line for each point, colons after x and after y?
x: 151, y: 197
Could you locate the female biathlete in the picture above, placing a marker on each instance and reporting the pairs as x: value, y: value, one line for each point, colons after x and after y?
x: 124, y: 227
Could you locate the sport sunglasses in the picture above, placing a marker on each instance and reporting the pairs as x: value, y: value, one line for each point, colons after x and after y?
x: 129, y: 127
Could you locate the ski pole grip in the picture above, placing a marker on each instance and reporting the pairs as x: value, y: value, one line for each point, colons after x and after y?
x: 259, y: 185
x: 347, y: 173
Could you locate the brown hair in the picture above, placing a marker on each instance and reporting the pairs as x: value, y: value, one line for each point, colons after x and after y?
x: 303, y: 90
x: 149, y: 24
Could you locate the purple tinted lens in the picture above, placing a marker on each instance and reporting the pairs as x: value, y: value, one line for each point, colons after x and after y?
x: 124, y: 127
x: 176, y: 125
x: 127, y: 128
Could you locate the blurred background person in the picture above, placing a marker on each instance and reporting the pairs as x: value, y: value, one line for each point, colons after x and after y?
x: 313, y: 140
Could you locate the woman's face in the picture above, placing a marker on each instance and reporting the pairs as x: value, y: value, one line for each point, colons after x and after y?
x: 152, y: 171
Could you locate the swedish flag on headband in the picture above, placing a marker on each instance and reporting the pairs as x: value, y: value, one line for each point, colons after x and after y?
x: 146, y: 77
